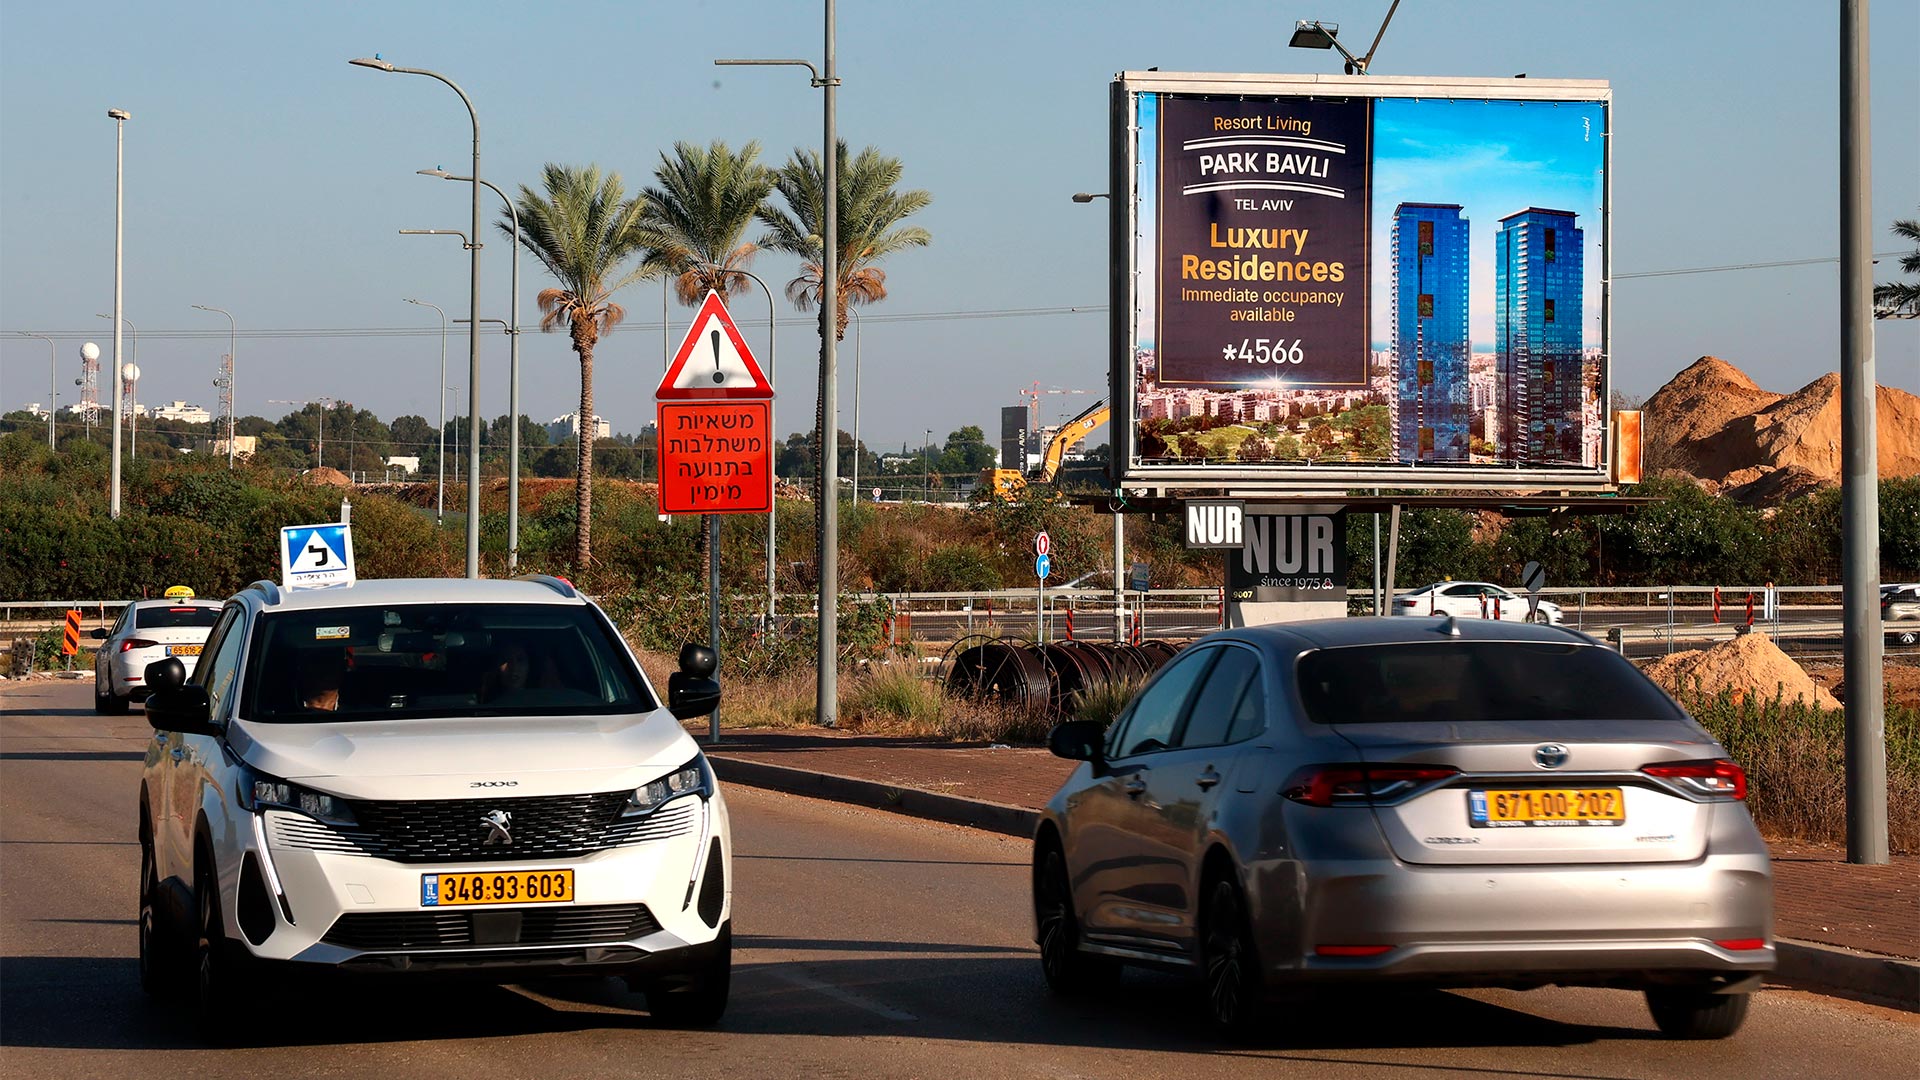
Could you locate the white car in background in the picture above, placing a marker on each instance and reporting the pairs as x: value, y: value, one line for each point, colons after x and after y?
x: 1472, y: 600
x: 148, y: 630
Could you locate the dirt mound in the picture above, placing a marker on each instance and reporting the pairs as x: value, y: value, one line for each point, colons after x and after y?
x: 1749, y: 665
x: 324, y: 475
x: 1714, y: 424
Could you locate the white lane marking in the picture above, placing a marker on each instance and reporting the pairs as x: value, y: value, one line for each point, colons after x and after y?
x: 845, y: 997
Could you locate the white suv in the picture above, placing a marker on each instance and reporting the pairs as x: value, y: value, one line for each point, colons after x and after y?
x: 430, y: 776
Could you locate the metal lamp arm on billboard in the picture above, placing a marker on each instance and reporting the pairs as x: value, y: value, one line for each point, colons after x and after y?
x: 1314, y: 34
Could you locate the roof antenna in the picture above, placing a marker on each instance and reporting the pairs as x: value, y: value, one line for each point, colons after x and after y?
x: 1448, y: 625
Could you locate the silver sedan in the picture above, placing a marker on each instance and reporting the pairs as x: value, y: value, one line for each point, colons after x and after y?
x: 1439, y: 801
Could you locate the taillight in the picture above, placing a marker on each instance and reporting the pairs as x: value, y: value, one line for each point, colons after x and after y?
x: 133, y: 643
x: 1717, y: 777
x: 1359, y: 784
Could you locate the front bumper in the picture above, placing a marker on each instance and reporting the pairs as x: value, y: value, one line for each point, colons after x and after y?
x: 636, y: 909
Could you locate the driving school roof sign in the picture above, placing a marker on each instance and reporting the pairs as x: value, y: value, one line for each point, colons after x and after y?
x: 315, y: 556
x: 715, y: 412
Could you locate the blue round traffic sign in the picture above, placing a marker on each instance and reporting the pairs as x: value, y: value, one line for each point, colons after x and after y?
x: 1042, y: 566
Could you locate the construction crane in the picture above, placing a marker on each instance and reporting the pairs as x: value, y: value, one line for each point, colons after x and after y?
x: 1007, y: 482
x: 1033, y: 395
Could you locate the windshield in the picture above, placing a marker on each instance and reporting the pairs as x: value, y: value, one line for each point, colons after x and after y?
x: 409, y: 661
x: 165, y: 618
x: 1475, y: 681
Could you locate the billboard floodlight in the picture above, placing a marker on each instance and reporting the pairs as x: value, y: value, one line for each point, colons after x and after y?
x: 1308, y: 34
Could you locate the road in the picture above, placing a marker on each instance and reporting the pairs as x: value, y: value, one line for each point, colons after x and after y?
x: 869, y: 945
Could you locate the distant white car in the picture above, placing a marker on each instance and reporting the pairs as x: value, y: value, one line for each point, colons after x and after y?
x: 1471, y: 600
x: 1901, y: 603
x: 148, y: 630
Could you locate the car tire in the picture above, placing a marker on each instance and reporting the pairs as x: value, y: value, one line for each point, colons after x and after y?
x: 1540, y: 618
x: 109, y: 704
x: 1231, y: 969
x: 698, y: 998
x: 221, y: 996
x: 1068, y: 970
x: 162, y: 967
x: 1685, y: 1013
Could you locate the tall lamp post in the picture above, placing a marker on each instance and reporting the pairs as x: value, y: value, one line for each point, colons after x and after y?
x: 440, y: 503
x: 858, y: 334
x: 121, y: 383
x: 120, y: 118
x: 53, y: 382
x: 513, y: 368
x: 473, y: 312
x: 827, y: 704
x: 773, y: 323
x: 1119, y: 519
x: 232, y: 403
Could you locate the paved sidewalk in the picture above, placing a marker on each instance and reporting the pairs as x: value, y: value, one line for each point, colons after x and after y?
x: 1845, y: 927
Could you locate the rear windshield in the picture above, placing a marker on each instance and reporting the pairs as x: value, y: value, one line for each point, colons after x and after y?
x: 1456, y: 681
x: 432, y: 660
x: 165, y: 618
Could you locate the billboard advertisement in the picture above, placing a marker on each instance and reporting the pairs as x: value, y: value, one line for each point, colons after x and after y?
x: 1333, y: 282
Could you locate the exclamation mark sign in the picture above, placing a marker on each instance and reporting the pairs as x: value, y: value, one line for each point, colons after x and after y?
x: 718, y: 375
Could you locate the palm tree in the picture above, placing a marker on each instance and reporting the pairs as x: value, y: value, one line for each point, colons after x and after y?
x: 869, y: 230
x: 1901, y: 299
x: 697, y: 215
x: 581, y: 229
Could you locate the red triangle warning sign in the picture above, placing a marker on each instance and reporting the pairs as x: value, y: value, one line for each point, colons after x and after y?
x: 713, y: 361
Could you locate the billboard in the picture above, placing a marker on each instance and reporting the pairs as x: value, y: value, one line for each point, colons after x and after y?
x: 1333, y: 282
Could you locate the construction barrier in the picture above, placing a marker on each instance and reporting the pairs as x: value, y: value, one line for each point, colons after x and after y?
x: 70, y: 644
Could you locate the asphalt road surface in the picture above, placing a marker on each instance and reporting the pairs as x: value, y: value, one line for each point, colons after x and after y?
x: 869, y: 945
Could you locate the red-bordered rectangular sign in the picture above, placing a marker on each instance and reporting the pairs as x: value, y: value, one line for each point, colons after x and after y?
x: 716, y: 457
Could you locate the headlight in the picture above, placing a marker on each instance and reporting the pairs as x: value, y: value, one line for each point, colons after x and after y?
x: 258, y: 792
x: 689, y: 779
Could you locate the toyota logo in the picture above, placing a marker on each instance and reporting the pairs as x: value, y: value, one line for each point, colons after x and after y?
x: 1550, y: 755
x: 499, y: 826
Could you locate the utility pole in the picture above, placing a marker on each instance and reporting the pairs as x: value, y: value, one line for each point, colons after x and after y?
x: 120, y: 118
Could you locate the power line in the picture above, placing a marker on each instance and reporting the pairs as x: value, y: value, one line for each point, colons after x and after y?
x: 1742, y: 266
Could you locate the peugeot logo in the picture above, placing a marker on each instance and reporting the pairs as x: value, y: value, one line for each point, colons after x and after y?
x: 499, y: 826
x: 1550, y: 755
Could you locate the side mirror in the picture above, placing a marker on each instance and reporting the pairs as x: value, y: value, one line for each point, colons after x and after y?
x: 1077, y: 740
x: 698, y: 660
x: 99, y: 633
x: 183, y: 709
x: 690, y: 695
x: 167, y: 674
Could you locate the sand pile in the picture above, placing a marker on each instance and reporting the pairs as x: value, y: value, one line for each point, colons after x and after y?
x: 326, y: 475
x: 1750, y: 665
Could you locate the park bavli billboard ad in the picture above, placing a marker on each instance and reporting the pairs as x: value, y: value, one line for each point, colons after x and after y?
x: 1345, y: 281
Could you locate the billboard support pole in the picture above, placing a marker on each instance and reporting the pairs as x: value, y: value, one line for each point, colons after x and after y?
x: 1393, y: 548
x: 1866, y: 749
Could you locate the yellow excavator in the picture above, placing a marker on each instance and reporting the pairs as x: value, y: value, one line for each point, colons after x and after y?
x: 1008, y: 482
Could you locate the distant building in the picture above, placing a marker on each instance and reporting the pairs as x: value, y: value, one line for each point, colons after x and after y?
x: 243, y: 446
x: 561, y: 428
x: 34, y: 408
x: 182, y: 412
x: 1539, y: 293
x: 1431, y: 406
x: 407, y: 464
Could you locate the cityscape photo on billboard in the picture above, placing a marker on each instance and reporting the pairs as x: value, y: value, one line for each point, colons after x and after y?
x: 1370, y: 283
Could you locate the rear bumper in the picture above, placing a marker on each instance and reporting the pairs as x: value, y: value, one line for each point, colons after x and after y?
x: 1517, y: 925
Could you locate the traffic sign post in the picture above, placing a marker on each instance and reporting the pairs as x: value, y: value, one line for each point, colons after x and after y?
x: 1534, y: 578
x: 316, y: 556
x: 1042, y: 566
x: 715, y: 439
x: 1042, y: 544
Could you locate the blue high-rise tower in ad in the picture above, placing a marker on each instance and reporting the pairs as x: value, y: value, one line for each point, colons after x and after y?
x: 1539, y: 287
x: 1431, y: 406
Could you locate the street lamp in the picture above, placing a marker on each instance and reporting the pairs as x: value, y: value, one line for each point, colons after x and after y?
x: 827, y: 703
x: 773, y: 322
x: 228, y: 375
x: 1119, y: 520
x: 513, y: 369
x: 320, y: 448
x: 53, y: 382
x: 857, y: 336
x: 926, y: 478
x: 440, y: 503
x: 120, y: 118
x: 455, y: 391
x: 119, y: 374
x: 473, y: 309
x: 1314, y: 34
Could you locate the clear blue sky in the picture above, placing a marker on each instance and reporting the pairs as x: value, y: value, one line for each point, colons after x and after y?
x: 266, y: 176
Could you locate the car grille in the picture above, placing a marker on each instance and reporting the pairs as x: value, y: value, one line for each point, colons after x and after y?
x: 455, y: 830
x: 388, y: 931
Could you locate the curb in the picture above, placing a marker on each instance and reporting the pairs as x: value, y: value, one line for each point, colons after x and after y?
x: 1877, y: 980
